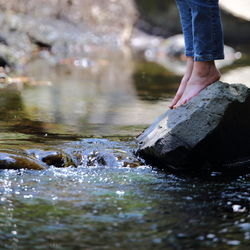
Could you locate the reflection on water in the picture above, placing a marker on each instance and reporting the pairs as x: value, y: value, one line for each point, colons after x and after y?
x: 105, y: 198
x: 93, y: 101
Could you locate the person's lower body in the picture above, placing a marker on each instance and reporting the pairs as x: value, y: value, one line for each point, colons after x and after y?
x: 202, y: 29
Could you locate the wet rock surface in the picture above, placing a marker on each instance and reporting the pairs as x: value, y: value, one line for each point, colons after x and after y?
x: 54, y: 158
x: 19, y: 160
x: 210, y: 130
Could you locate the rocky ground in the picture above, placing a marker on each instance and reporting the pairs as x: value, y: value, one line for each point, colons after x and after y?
x: 68, y: 29
x: 65, y: 30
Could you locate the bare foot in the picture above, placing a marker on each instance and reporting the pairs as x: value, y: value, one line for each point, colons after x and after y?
x: 180, y: 91
x: 204, y: 74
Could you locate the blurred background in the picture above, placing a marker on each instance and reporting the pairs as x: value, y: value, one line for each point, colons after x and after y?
x: 100, y: 67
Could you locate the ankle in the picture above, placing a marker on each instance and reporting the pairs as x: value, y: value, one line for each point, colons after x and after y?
x: 189, y: 67
x: 190, y: 62
x: 190, y: 59
x: 204, y: 69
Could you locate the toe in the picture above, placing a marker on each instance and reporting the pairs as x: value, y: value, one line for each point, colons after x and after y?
x: 178, y: 104
x: 185, y: 101
x: 175, y: 100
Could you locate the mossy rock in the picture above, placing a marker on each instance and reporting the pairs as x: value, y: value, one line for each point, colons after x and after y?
x: 54, y: 158
x: 18, y: 160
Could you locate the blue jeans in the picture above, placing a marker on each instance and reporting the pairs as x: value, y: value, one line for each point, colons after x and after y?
x: 201, y: 25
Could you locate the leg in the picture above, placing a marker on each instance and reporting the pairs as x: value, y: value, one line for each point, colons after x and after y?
x: 186, y: 22
x: 208, y: 46
x: 207, y: 30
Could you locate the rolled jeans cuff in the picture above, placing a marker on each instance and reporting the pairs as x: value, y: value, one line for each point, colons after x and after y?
x: 189, y: 53
x: 208, y: 57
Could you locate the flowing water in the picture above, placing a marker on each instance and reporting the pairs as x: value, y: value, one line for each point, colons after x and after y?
x: 96, y: 194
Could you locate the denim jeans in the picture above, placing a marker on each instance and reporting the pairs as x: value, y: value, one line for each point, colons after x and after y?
x: 201, y: 25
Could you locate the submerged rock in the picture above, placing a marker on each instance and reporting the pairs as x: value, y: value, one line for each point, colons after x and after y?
x: 34, y: 159
x: 57, y: 159
x: 12, y: 160
x: 210, y: 131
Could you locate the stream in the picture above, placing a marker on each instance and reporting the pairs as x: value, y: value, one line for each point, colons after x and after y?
x: 78, y: 124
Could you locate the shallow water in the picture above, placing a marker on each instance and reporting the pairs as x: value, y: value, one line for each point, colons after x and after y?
x: 110, y: 199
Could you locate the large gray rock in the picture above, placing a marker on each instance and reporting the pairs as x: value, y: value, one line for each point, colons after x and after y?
x: 211, y: 130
